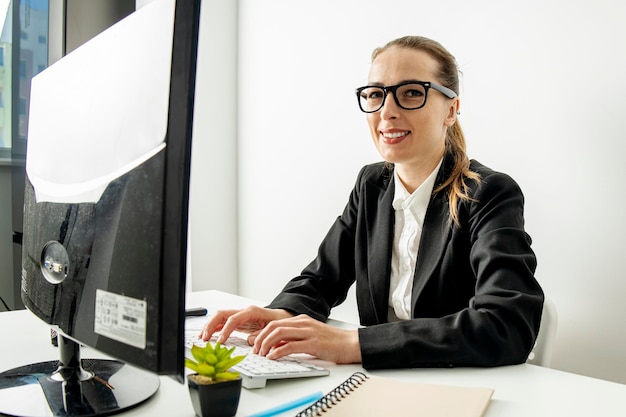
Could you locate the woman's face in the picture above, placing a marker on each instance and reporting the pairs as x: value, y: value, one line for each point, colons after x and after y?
x: 411, y: 139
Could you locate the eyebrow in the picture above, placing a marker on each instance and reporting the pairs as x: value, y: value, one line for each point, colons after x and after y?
x: 411, y: 80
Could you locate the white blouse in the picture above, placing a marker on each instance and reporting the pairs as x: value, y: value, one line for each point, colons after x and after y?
x: 410, y: 210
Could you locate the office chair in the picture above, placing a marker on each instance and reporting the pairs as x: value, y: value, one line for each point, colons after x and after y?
x: 542, y: 351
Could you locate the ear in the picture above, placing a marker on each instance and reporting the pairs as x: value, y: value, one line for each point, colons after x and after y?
x: 453, y: 112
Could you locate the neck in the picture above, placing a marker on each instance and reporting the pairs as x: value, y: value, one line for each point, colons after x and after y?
x: 412, y: 176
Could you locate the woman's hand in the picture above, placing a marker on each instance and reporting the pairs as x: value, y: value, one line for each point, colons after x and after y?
x: 249, y: 320
x: 303, y: 334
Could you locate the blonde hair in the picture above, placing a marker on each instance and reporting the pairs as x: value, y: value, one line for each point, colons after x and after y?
x: 448, y: 76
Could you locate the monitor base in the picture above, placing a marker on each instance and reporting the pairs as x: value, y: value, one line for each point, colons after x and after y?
x: 88, y: 387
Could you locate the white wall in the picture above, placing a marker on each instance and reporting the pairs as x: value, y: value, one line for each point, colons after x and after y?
x: 543, y: 100
x: 213, y: 193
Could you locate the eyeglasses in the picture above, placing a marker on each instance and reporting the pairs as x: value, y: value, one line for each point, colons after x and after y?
x: 409, y: 95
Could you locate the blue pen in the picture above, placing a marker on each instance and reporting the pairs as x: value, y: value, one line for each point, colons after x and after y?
x: 288, y: 406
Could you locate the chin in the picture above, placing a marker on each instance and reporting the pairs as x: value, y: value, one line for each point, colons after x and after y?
x: 390, y: 156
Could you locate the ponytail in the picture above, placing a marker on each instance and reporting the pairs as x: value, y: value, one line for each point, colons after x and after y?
x: 456, y: 181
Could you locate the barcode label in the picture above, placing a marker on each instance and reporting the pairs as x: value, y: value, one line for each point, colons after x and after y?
x: 121, y: 318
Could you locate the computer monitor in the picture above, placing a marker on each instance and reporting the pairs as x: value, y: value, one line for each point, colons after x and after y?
x: 105, y: 214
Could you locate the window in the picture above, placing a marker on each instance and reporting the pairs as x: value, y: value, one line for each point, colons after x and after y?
x: 22, y: 71
x: 23, y: 25
x: 22, y: 107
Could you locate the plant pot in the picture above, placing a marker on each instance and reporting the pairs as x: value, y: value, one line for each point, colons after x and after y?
x: 217, y: 399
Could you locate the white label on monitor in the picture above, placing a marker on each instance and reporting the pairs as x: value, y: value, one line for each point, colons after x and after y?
x: 121, y: 318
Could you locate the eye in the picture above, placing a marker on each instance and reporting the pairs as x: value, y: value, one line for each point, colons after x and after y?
x: 413, y: 93
x: 372, y: 94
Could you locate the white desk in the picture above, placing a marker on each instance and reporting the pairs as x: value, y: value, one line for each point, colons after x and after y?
x: 520, y: 391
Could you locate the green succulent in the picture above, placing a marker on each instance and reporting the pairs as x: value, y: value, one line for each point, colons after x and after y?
x: 214, y: 362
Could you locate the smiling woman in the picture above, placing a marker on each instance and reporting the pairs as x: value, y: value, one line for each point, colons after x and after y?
x: 434, y: 241
x: 520, y: 113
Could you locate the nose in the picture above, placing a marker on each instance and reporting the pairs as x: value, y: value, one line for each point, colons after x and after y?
x: 390, y: 108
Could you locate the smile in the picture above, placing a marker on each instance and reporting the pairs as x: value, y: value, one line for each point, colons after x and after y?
x: 394, y: 135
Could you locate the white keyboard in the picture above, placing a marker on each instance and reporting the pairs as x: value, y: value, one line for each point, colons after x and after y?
x: 255, y: 370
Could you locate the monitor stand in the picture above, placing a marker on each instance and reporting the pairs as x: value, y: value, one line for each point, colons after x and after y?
x: 74, y: 387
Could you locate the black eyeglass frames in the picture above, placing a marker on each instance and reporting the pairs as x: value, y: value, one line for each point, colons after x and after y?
x: 408, y: 95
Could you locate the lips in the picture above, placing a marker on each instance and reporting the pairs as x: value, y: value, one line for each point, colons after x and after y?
x: 394, y: 136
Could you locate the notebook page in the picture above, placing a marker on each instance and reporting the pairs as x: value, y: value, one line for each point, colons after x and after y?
x: 380, y: 396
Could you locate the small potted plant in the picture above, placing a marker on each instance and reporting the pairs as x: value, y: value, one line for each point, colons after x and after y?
x: 214, y: 389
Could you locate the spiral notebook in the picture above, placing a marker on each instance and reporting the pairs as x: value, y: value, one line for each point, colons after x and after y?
x: 369, y: 395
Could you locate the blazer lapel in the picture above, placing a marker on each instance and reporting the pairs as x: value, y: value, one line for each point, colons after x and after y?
x: 435, y: 235
x: 379, y: 222
x: 433, y: 241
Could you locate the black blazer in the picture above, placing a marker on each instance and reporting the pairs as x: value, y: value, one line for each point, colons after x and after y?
x: 475, y: 301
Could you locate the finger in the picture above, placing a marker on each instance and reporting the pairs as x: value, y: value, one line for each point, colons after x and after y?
x: 260, y: 339
x: 302, y: 321
x: 215, y: 323
x: 287, y: 348
x: 238, y: 320
x: 279, y: 336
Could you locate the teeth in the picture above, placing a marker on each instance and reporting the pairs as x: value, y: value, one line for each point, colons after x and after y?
x: 395, y: 134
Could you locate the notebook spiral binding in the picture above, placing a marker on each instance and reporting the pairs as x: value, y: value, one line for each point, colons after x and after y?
x: 333, y: 397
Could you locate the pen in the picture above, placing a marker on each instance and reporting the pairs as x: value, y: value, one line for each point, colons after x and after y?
x: 288, y: 406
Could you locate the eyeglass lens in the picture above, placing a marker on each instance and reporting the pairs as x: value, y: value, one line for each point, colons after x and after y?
x: 408, y: 96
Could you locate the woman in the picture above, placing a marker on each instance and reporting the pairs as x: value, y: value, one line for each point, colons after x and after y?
x: 435, y: 242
